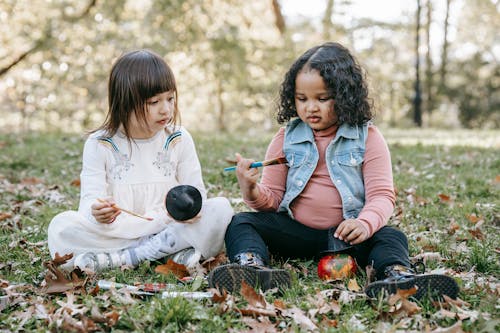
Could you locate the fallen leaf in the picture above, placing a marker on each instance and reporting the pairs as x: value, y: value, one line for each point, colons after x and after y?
x: 31, y: 181
x: 428, y: 256
x: 444, y: 198
x: 278, y: 303
x: 4, y: 216
x: 329, y: 322
x: 457, y: 302
x: 453, y: 227
x: 401, y: 305
x: 455, y: 328
x: 353, y: 285
x: 260, y: 324
x: 251, y: 296
x: 476, y: 233
x: 213, y: 262
x: 58, y: 282
x: 171, y: 267
x: 300, y: 318
x: 253, y: 311
x: 370, y: 274
x: 473, y: 218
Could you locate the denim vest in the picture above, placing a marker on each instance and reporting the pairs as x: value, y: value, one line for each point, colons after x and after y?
x: 344, y: 158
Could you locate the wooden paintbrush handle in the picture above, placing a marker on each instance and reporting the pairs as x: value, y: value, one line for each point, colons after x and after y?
x: 127, y: 211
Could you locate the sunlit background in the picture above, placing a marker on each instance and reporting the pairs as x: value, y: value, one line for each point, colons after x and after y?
x: 229, y: 58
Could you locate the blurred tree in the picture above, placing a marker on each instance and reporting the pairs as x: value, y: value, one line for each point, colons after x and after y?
x: 444, y: 53
x: 429, y: 77
x: 228, y: 56
x: 417, y: 101
x: 473, y: 80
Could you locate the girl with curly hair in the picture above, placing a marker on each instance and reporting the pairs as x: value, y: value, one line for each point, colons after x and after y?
x: 336, y: 192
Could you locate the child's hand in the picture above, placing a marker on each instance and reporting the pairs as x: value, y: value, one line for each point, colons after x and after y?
x: 351, y: 231
x: 104, y: 212
x: 247, y: 178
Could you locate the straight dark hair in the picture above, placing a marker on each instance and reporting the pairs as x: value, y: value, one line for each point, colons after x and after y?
x: 135, y: 77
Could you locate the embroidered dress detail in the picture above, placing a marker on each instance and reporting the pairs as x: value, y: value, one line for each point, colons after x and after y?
x: 163, y: 160
x: 122, y: 161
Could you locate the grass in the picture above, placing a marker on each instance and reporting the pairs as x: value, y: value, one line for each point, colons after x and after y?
x: 447, y: 189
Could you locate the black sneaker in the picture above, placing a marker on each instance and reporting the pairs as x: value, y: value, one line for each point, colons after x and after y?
x: 229, y: 277
x: 400, y: 277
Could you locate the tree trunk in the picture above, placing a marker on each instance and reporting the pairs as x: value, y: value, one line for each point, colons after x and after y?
x: 278, y: 17
x: 429, y: 84
x: 327, y: 21
x: 417, y: 102
x: 444, y: 54
x: 221, y: 126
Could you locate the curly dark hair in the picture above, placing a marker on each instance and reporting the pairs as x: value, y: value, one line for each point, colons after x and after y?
x: 343, y: 77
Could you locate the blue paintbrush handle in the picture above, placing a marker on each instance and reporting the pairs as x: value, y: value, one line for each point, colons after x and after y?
x: 253, y: 165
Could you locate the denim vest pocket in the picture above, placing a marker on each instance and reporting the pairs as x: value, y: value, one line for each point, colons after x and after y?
x: 350, y: 158
x: 296, y: 158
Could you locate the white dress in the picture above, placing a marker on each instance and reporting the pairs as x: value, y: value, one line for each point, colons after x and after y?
x: 138, y: 174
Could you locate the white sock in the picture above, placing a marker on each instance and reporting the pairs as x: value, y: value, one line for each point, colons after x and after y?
x: 158, y: 246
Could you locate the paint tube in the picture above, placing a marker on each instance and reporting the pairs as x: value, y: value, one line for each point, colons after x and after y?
x: 188, y: 294
x: 144, y: 289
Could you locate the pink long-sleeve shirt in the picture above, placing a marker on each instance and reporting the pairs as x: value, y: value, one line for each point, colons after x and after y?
x: 319, y: 205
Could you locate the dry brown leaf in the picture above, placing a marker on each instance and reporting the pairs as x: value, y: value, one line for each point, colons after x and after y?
x: 444, y: 198
x: 252, y: 297
x: 75, y: 182
x: 426, y: 256
x: 259, y: 325
x: 455, y: 328
x: 473, y: 218
x: 410, y: 307
x: 456, y: 302
x: 329, y: 322
x: 218, y: 296
x: 321, y: 305
x: 256, y: 312
x: 476, y: 233
x: 171, y: 267
x: 353, y: 285
x: 213, y: 262
x: 4, y: 216
x: 400, y: 304
x: 112, y: 317
x: 89, y: 325
x: 58, y: 282
x: 370, y: 274
x: 453, y: 227
x: 278, y: 303
x: 30, y: 181
x: 300, y: 318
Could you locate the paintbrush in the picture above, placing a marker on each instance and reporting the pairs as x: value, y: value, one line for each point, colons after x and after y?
x: 274, y: 161
x: 126, y: 211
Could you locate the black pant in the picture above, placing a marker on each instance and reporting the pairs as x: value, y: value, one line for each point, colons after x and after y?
x: 264, y: 232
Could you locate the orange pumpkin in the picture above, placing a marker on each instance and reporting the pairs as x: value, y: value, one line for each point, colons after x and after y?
x: 336, y: 267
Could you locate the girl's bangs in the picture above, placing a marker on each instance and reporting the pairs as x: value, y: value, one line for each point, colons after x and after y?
x: 158, y: 79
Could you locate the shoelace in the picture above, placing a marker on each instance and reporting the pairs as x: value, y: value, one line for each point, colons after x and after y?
x: 248, y: 259
x: 418, y: 266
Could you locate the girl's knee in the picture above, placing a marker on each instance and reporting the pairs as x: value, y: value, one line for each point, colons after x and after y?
x: 393, y: 234
x: 221, y: 206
